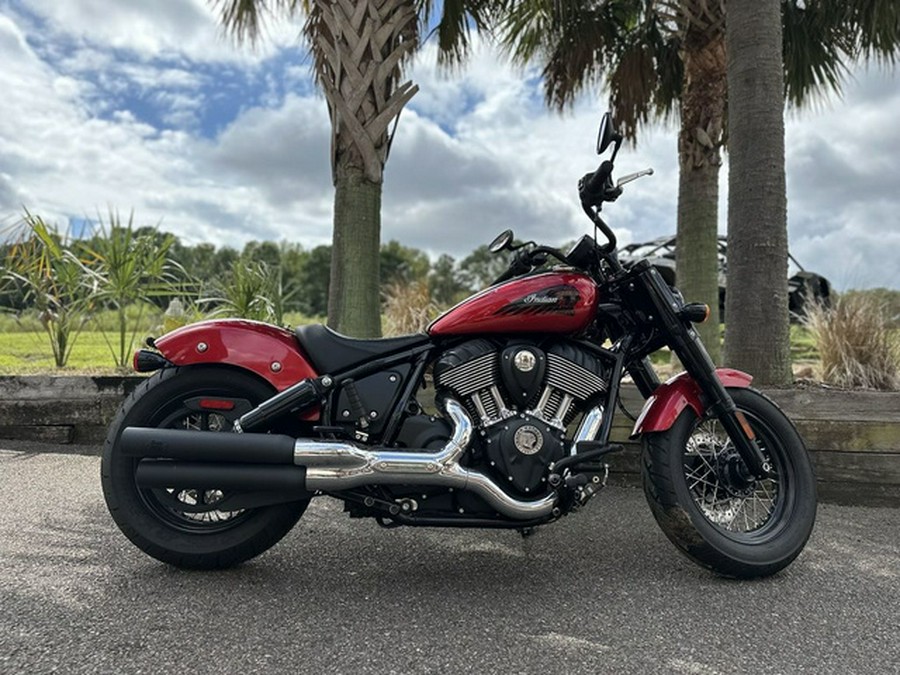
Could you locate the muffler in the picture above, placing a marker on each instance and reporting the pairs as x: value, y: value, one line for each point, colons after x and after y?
x: 164, y: 473
x: 333, y: 466
x: 207, y: 447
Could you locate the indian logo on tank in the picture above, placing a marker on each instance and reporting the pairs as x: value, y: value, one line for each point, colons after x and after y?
x: 560, y: 299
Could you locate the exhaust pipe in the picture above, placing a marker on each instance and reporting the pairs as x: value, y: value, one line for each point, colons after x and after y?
x: 342, y: 466
x: 332, y: 466
x: 210, y: 447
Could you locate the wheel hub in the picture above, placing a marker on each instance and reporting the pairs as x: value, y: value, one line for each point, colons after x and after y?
x: 734, y: 476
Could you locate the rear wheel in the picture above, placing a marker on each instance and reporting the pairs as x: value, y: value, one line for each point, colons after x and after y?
x: 712, y: 510
x: 184, y: 527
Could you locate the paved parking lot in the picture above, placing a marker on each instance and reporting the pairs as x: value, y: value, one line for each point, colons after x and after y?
x: 601, y: 592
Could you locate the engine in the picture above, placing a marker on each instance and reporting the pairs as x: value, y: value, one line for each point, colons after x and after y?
x: 521, y: 397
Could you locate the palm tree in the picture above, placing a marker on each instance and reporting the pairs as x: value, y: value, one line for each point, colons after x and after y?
x: 831, y: 33
x: 359, y: 50
x: 660, y: 58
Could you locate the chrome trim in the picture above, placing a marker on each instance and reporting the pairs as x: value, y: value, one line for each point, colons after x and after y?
x: 564, y: 406
x: 589, y: 427
x: 544, y: 400
x: 339, y: 465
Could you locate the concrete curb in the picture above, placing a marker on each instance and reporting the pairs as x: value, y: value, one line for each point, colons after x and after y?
x: 853, y: 436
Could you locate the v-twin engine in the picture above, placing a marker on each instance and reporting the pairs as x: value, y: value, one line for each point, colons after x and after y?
x: 342, y: 466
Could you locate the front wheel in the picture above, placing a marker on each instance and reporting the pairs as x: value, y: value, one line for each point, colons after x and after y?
x: 707, y: 506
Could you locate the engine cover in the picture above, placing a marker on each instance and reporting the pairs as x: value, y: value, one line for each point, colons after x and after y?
x: 522, y: 448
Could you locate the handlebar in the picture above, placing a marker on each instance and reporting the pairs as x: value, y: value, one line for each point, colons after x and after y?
x: 594, y: 189
x: 526, y: 260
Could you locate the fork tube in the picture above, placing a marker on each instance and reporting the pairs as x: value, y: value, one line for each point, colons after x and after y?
x: 686, y: 343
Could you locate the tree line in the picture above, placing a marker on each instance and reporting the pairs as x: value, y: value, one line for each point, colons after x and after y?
x: 206, y: 273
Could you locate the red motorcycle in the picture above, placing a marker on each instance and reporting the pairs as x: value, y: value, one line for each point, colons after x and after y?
x: 524, y: 376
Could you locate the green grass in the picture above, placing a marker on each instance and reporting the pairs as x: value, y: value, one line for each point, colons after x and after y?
x: 29, y: 354
x: 25, y: 348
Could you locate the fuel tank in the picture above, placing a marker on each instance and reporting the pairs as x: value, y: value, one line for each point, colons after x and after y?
x: 553, y: 302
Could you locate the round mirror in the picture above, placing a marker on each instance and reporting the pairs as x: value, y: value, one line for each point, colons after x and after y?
x: 501, y: 242
x: 605, y: 136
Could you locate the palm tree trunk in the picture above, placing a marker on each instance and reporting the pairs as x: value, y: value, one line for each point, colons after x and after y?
x: 358, y: 48
x: 699, y: 143
x: 354, y: 306
x: 757, y: 329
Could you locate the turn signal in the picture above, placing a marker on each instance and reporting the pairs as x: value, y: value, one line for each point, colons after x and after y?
x: 145, y: 361
x: 695, y: 312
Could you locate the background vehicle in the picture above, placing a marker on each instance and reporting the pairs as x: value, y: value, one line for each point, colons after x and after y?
x: 804, y: 287
x: 215, y: 457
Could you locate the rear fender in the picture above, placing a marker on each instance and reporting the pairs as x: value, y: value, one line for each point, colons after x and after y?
x: 272, y: 353
x: 666, y: 403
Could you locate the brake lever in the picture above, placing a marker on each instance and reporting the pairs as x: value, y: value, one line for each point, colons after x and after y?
x: 633, y: 176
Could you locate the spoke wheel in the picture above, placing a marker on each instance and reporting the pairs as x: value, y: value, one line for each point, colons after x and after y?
x: 713, y: 509
x: 721, y: 486
x: 184, y: 526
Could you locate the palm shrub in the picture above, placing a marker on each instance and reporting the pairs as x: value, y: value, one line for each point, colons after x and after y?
x: 43, y: 264
x: 130, y: 266
x: 251, y: 290
x: 856, y: 345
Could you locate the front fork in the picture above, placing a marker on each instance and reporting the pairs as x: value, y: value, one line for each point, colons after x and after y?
x: 686, y: 344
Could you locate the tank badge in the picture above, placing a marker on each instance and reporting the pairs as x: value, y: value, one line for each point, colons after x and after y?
x: 560, y: 299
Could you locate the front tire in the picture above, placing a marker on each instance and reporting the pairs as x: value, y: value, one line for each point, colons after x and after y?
x: 183, y: 527
x: 735, y: 526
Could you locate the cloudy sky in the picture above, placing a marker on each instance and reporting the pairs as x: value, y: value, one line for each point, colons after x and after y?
x: 145, y: 105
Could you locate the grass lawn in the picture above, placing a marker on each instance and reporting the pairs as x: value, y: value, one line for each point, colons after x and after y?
x: 28, y: 353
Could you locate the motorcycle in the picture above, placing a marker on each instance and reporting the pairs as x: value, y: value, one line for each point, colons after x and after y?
x: 525, y: 377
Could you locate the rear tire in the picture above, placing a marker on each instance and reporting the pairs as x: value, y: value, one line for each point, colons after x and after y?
x: 153, y: 519
x: 735, y: 527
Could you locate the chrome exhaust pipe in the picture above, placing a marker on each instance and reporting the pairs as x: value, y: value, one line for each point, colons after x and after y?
x: 335, y: 466
x: 331, y: 466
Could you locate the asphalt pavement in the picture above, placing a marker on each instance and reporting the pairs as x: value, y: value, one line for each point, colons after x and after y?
x: 602, y: 591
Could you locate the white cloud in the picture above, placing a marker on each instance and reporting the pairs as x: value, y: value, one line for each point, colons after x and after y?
x: 159, y: 28
x: 474, y: 153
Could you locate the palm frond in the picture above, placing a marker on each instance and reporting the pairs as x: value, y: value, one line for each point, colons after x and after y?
x: 816, y: 45
x: 576, y: 41
x: 455, y: 23
x: 245, y: 19
x: 877, y: 25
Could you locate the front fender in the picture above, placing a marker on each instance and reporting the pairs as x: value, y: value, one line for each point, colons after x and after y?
x: 272, y: 353
x: 666, y: 403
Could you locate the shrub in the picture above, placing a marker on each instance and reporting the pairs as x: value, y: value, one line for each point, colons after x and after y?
x: 408, y: 307
x: 252, y: 290
x: 42, y: 264
x: 131, y: 268
x: 857, y: 349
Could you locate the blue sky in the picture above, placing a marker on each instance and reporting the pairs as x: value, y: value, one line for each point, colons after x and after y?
x: 148, y: 106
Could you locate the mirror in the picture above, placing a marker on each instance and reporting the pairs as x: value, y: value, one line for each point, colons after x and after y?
x: 501, y: 242
x: 606, y: 134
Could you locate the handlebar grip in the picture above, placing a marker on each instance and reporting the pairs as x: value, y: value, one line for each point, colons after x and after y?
x: 598, y: 179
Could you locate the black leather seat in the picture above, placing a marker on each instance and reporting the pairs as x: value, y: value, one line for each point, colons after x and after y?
x: 331, y: 352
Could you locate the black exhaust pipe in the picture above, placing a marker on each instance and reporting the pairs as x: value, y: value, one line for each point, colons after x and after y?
x: 207, y: 447
x: 154, y: 473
